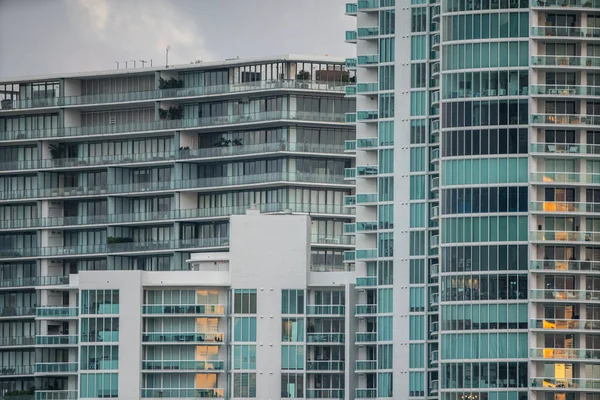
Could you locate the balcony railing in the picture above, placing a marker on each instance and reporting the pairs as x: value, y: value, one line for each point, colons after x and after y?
x: 366, y: 198
x: 131, y: 247
x: 361, y: 393
x: 211, y: 337
x: 565, y: 31
x: 192, y: 365
x: 166, y: 125
x: 564, y: 265
x: 565, y: 61
x: 55, y: 394
x: 565, y: 354
x: 564, y: 295
x: 368, y: 32
x: 370, y: 59
x: 566, y: 149
x: 366, y: 337
x: 565, y: 119
x: 564, y: 177
x: 330, y: 309
x: 196, y: 309
x: 56, y: 312
x: 368, y: 4
x: 51, y: 367
x: 201, y: 183
x: 565, y: 90
x: 366, y: 309
x: 365, y: 365
x: 564, y: 324
x: 17, y: 341
x: 561, y: 384
x: 17, y: 370
x: 33, y: 280
x: 16, y: 311
x: 183, y: 393
x: 178, y: 93
x: 366, y: 281
x: 56, y: 340
x: 172, y: 156
x: 147, y: 217
x: 325, y: 337
x: 564, y: 236
x: 324, y: 393
x: 325, y: 365
x: 566, y: 3
x: 351, y: 9
x: 351, y: 36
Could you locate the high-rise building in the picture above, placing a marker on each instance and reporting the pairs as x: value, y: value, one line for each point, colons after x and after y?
x: 477, y: 197
x: 116, y: 193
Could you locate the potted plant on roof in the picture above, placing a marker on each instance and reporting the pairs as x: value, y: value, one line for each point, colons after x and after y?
x: 302, y: 78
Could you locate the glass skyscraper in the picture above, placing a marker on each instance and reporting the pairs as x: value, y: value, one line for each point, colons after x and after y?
x: 476, y: 197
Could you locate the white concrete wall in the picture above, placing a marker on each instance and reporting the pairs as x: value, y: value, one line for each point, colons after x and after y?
x: 269, y: 253
x: 401, y: 200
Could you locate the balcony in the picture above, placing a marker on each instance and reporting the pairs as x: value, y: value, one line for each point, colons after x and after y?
x: 349, y: 174
x: 366, y: 254
x: 350, y: 118
x: 563, y: 295
x: 435, y: 13
x: 368, y: 5
x: 564, y: 236
x: 562, y: 4
x: 132, y: 247
x: 351, y: 37
x: 371, y: 32
x: 56, y: 395
x: 56, y: 340
x: 325, y: 309
x: 365, y: 309
x: 183, y: 393
x: 366, y: 337
x: 349, y: 256
x: 367, y: 171
x: 367, y: 144
x: 435, y: 156
x: 325, y: 337
x: 56, y: 312
x: 366, y: 198
x: 435, y: 184
x: 435, y: 70
x: 434, y: 358
x: 435, y: 213
x: 13, y: 312
x: 435, y: 98
x: 325, y: 393
x: 366, y: 227
x: 434, y: 271
x: 169, y: 125
x: 434, y: 241
x: 150, y: 96
x: 365, y: 365
x: 350, y: 201
x: 17, y: 341
x: 435, y: 127
x: 366, y: 116
x: 565, y: 149
x: 564, y: 324
x: 351, y: 9
x: 365, y: 393
x: 143, y: 217
x: 565, y: 354
x: 564, y: 62
x: 176, y: 310
x: 183, y: 365
x: 16, y: 370
x: 366, y: 281
x: 349, y: 228
x: 368, y: 60
x: 434, y: 329
x: 33, y: 280
x: 564, y: 32
x: 434, y: 300
x: 350, y: 90
x: 435, y: 42
x: 566, y: 384
x: 564, y: 266
x: 56, y: 367
x: 564, y: 90
x: 434, y: 387
x: 351, y: 63
x: 349, y: 146
x: 202, y: 184
x: 330, y: 366
x: 182, y: 338
x: 567, y: 120
x: 367, y: 88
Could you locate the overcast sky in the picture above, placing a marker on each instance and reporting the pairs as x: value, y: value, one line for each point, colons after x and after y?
x: 53, y: 36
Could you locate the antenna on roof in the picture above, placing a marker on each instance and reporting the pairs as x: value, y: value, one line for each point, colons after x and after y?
x: 167, y: 58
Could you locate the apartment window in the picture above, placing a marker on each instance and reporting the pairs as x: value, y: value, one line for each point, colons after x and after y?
x: 99, y: 330
x: 244, y: 301
x: 99, y: 358
x: 418, y: 19
x: 244, y: 385
x: 98, y: 385
x: 292, y: 330
x: 100, y: 301
x: 244, y: 357
x: 292, y: 386
x: 292, y: 301
x: 244, y: 329
x: 385, y: 272
x: 292, y: 357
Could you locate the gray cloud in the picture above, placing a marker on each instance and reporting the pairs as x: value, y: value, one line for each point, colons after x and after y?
x: 51, y: 36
